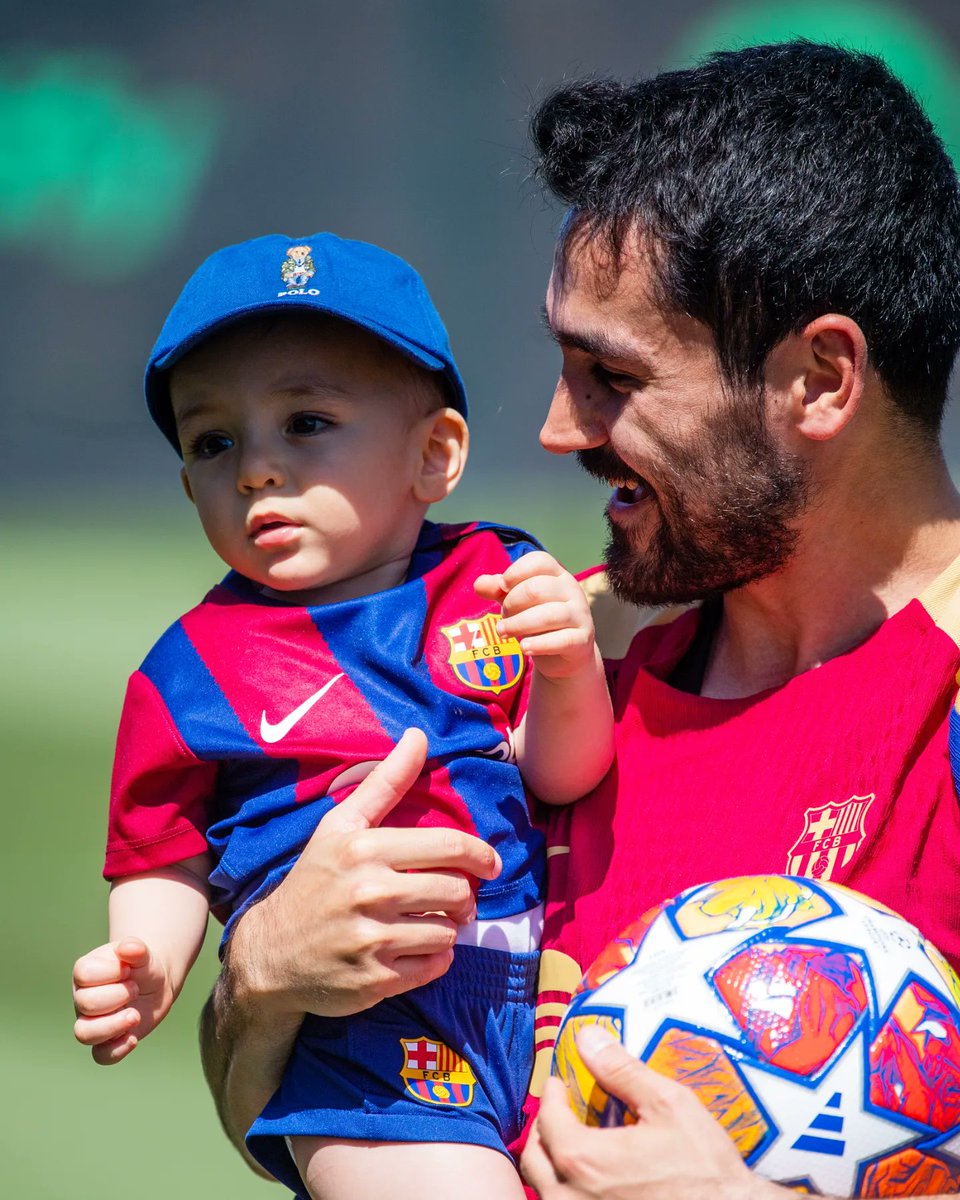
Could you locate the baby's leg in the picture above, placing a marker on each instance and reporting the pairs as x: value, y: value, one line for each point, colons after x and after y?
x: 359, y: 1170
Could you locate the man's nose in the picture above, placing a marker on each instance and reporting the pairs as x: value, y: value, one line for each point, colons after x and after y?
x: 258, y: 467
x: 571, y: 423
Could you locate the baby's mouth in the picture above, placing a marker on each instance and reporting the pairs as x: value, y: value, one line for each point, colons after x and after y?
x: 273, y: 531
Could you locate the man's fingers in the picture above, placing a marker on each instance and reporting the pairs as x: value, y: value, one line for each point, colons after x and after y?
x: 416, y: 970
x: 535, y: 1167
x: 557, y: 1124
x: 536, y: 1164
x: 620, y: 1074
x: 426, y: 850
x: 449, y: 892
x: 415, y: 937
x: 382, y: 789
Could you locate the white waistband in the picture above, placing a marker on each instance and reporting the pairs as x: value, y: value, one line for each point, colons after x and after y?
x: 517, y: 935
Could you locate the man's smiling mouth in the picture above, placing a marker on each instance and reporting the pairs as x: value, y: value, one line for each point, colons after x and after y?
x: 627, y: 492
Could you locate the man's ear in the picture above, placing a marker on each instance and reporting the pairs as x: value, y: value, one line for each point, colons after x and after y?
x: 186, y: 485
x: 828, y: 364
x: 443, y: 455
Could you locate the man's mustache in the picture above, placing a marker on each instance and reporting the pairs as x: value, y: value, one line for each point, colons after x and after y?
x: 604, y: 464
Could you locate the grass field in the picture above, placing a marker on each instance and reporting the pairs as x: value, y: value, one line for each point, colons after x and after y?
x: 87, y: 593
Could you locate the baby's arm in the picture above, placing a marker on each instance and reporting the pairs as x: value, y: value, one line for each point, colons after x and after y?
x: 564, y: 744
x: 124, y: 989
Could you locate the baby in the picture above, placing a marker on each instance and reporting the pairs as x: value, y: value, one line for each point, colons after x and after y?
x: 319, y: 414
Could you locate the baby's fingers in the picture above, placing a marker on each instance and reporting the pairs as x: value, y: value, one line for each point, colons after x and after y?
x: 541, y: 618
x: 566, y: 642
x: 108, y: 998
x: 96, y: 1031
x: 491, y: 587
x: 102, y: 965
x: 133, y: 952
x: 537, y: 562
x: 113, y: 1051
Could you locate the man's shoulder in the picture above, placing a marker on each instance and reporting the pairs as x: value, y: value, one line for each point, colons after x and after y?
x: 941, y: 601
x: 618, y: 623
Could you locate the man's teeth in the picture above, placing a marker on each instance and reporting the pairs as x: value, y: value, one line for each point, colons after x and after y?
x: 630, y: 484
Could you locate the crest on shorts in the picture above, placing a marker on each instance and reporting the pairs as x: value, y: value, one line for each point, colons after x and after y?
x: 297, y: 269
x: 480, y: 658
x: 831, y: 836
x: 435, y: 1074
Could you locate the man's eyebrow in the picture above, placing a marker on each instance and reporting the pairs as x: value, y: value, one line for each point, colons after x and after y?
x: 595, y: 343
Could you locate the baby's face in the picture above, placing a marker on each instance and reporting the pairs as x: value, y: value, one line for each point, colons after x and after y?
x: 301, y: 444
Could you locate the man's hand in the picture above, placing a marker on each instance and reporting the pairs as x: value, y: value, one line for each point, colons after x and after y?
x: 676, y: 1151
x: 545, y: 609
x: 344, y: 930
x: 339, y: 934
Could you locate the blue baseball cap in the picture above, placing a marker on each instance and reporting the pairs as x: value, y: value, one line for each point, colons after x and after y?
x: 322, y: 273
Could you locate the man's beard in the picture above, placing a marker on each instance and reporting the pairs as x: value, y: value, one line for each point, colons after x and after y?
x: 726, y: 506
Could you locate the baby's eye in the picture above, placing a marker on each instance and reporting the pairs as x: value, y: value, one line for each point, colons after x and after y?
x: 306, y: 424
x: 209, y: 445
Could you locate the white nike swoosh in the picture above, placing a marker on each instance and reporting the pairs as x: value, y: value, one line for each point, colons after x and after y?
x: 274, y: 733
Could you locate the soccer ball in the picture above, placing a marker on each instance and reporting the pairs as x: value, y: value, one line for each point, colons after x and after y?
x: 818, y: 1027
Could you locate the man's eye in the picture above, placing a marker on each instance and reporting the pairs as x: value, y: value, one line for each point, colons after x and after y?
x: 209, y: 445
x: 307, y: 424
x: 615, y: 379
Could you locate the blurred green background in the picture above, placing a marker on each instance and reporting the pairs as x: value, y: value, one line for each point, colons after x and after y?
x: 134, y: 140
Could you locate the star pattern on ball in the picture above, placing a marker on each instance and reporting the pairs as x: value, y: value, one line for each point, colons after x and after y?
x: 674, y: 971
x: 891, y: 946
x: 811, y: 1142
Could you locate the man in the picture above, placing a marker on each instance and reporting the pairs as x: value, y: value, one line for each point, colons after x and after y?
x: 756, y: 295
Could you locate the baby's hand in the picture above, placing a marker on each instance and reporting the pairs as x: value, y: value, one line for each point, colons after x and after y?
x: 545, y: 609
x: 120, y: 993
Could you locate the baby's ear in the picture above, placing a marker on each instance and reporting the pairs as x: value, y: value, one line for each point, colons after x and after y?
x: 443, y: 445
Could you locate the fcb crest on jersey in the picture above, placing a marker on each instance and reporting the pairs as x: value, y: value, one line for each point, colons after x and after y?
x: 480, y: 658
x: 435, y: 1074
x: 832, y: 834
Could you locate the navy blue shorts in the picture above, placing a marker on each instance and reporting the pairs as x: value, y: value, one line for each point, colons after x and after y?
x: 448, y: 1062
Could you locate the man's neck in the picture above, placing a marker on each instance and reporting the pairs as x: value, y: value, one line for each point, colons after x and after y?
x: 855, y: 565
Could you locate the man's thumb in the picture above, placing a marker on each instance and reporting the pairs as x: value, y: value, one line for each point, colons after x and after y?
x: 616, y: 1070
x: 387, y: 784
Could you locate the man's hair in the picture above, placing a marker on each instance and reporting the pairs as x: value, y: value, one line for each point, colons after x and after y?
x: 771, y: 185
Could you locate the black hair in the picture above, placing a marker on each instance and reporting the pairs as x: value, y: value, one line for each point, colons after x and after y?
x: 773, y: 184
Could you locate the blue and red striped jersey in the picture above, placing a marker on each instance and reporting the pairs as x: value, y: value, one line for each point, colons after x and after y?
x: 251, y: 717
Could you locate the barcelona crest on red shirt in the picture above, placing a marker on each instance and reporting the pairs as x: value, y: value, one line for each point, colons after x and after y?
x: 435, y: 1074
x: 480, y: 657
